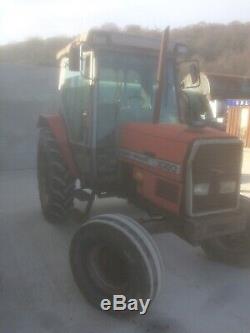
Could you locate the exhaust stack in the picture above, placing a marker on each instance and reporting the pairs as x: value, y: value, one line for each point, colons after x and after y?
x: 161, y: 79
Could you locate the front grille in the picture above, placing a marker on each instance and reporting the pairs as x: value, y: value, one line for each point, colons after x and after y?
x: 213, y: 163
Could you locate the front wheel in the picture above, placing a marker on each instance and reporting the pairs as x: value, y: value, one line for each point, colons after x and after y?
x: 113, y: 255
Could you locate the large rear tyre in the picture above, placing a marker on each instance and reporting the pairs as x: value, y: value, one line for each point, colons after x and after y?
x: 231, y: 249
x: 56, y: 186
x: 114, y: 255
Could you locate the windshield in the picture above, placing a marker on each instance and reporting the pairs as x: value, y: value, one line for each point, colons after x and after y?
x: 126, y: 91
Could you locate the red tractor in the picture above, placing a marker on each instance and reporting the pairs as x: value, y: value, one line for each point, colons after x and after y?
x: 128, y: 128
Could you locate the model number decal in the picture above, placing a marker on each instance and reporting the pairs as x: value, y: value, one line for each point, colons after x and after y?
x: 151, y: 161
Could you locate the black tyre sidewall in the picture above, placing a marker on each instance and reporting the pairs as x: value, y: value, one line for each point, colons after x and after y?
x: 216, y: 250
x: 61, y: 185
x: 140, y: 284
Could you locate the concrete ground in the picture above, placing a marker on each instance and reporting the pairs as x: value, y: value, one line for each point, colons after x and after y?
x: 37, y: 292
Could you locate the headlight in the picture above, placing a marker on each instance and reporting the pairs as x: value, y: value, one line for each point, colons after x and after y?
x: 229, y: 186
x: 201, y: 189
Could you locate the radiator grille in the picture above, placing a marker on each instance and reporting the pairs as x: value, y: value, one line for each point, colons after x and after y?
x: 212, y: 164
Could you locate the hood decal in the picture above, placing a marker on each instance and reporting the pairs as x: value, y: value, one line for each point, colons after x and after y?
x: 167, y: 166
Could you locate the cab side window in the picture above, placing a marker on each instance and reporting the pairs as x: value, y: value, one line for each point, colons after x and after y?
x: 85, y: 66
x: 64, y: 68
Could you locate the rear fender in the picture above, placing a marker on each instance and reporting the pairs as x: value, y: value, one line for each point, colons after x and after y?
x: 57, y: 125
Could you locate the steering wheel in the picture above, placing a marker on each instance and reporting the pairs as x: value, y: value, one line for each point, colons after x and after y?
x: 135, y: 97
x: 143, y: 103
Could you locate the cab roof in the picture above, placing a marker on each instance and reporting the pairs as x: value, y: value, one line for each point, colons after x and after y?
x: 101, y: 38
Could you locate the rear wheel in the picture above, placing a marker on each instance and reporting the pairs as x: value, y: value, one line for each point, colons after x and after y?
x: 232, y: 249
x: 114, y: 255
x: 55, y: 184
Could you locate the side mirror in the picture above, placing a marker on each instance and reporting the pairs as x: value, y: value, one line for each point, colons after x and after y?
x: 74, y: 59
x: 198, y: 113
x: 189, y: 74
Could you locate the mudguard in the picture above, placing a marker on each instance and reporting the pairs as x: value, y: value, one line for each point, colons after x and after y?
x: 57, y: 125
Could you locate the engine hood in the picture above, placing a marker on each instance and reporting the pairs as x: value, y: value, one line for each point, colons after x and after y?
x: 167, y: 142
x: 176, y: 132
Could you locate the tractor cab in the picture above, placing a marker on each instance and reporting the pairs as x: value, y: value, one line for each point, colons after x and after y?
x: 109, y: 79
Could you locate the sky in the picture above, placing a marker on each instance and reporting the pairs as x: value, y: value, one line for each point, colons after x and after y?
x: 23, y: 19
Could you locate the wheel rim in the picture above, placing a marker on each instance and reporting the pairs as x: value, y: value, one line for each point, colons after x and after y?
x: 108, y: 269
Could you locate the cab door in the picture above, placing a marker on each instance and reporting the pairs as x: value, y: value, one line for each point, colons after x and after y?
x: 76, y: 91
